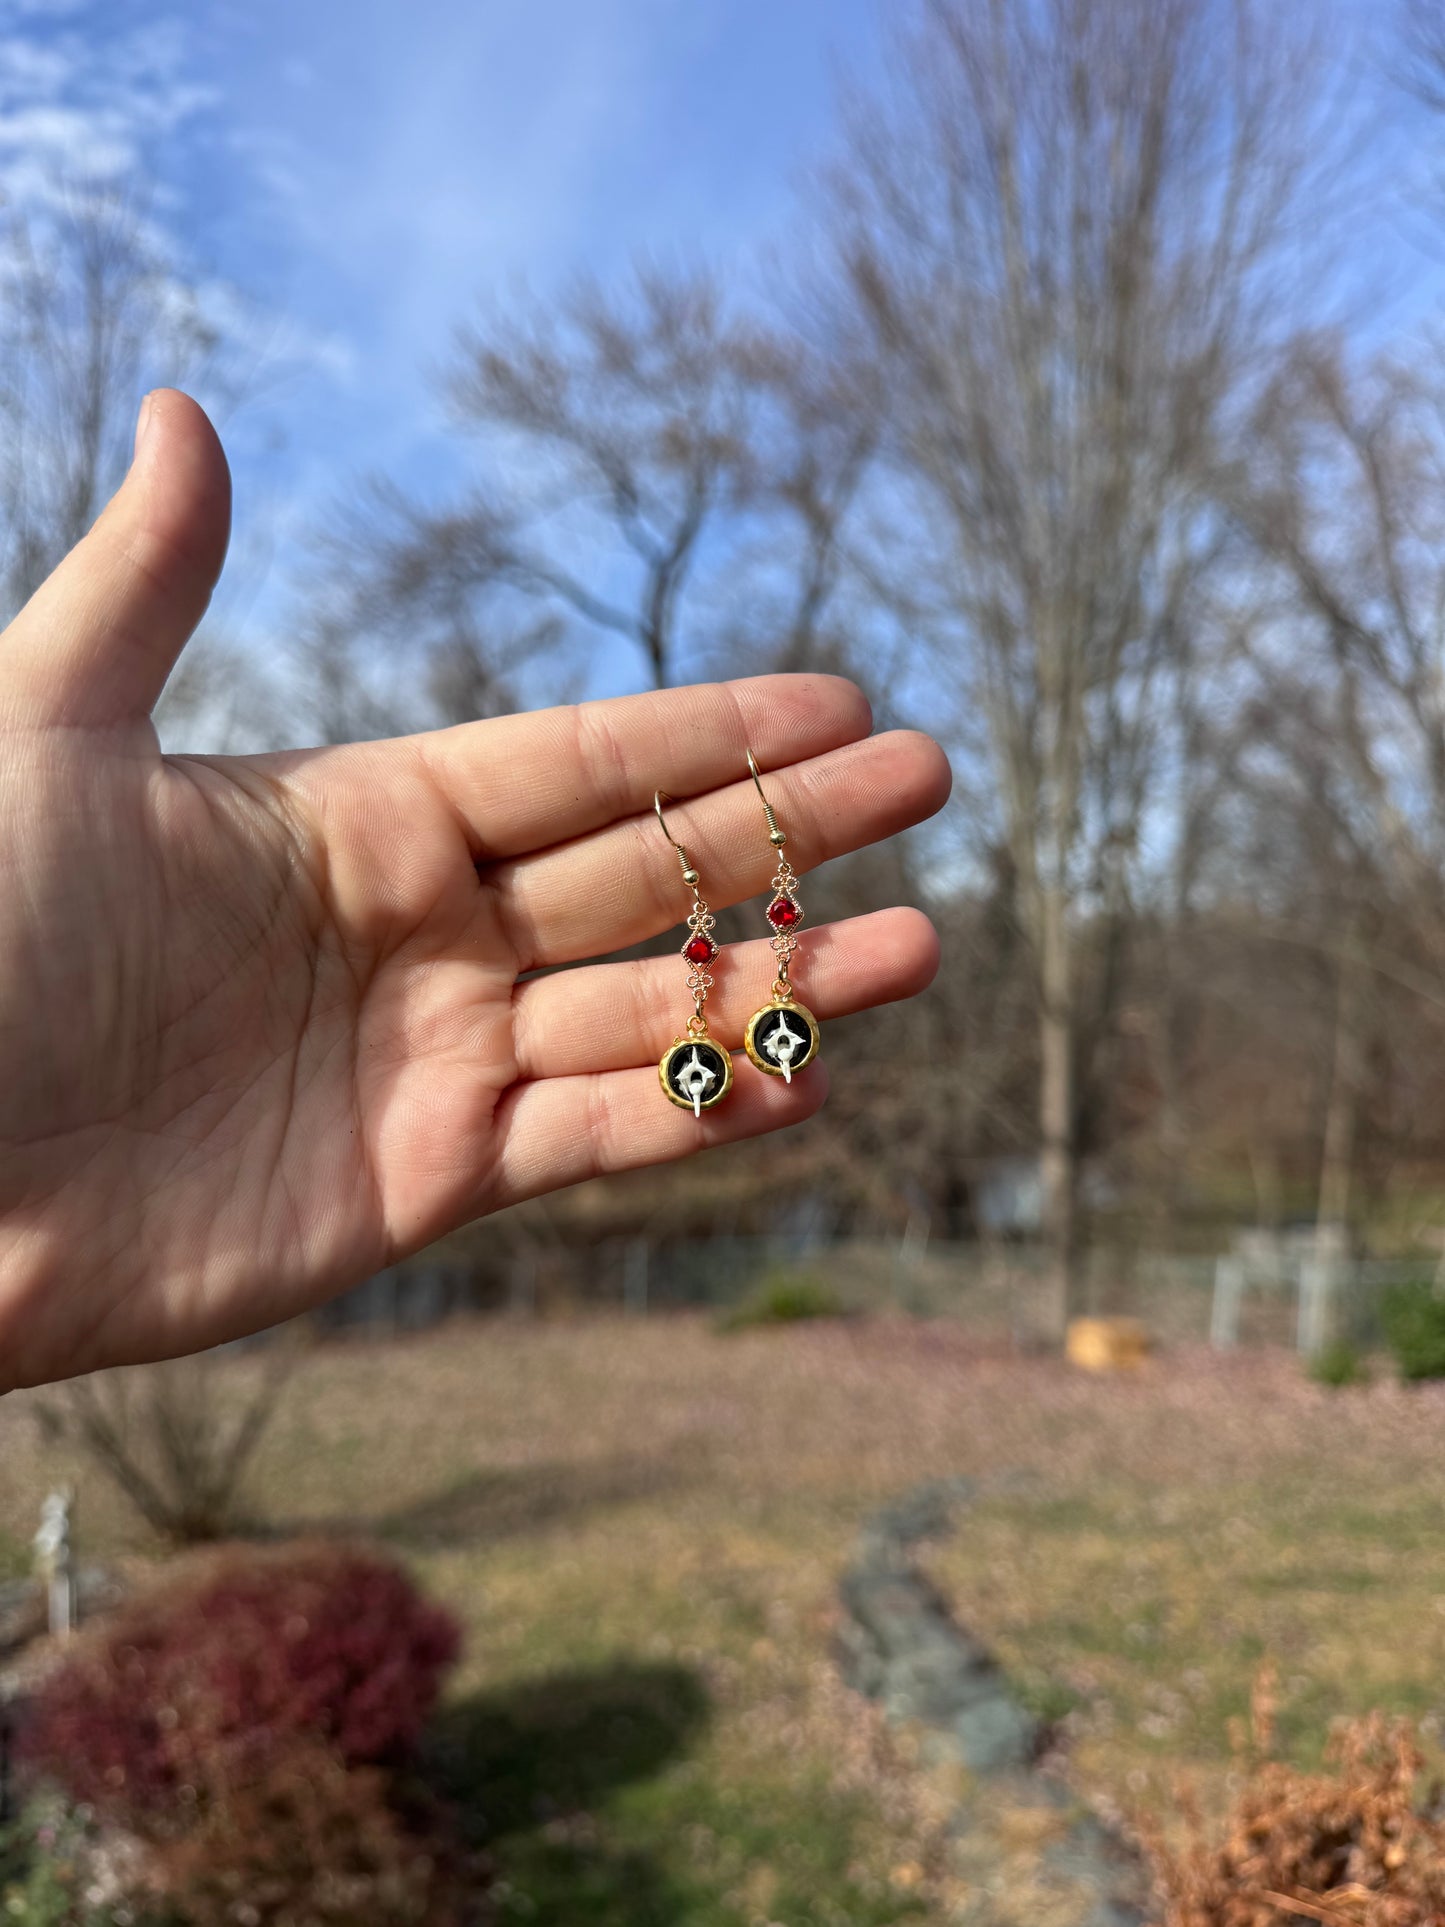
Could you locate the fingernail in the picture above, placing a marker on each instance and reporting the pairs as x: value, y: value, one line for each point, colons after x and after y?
x: 143, y: 425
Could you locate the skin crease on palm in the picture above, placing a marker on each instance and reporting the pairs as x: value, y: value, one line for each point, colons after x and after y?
x: 264, y: 1021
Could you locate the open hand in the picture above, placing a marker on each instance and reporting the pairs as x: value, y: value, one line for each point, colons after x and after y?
x: 266, y: 1023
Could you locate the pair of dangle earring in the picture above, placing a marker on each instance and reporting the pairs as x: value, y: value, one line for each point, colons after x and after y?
x: 783, y: 1036
x: 695, y: 1072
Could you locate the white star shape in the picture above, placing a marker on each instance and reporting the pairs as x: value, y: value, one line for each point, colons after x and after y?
x: 693, y: 1080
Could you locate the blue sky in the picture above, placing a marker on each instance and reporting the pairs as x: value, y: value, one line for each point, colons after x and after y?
x: 366, y: 172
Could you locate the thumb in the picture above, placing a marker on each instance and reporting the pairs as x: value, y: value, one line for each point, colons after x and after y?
x: 97, y: 640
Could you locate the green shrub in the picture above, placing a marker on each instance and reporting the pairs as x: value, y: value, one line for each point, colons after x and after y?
x: 58, y: 1870
x: 1413, y: 1316
x: 783, y: 1298
x: 304, y: 1842
x: 1339, y: 1363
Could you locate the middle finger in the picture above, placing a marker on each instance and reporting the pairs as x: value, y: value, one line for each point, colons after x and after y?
x: 621, y: 885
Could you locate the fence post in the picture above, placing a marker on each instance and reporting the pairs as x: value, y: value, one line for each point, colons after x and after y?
x: 1316, y: 1289
x: 53, y: 1562
x: 1224, y: 1312
x: 914, y: 1242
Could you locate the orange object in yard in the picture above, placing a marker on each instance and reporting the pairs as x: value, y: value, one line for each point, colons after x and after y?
x: 1106, y: 1344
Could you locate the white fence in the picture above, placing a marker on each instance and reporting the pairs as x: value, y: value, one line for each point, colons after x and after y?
x: 1263, y: 1292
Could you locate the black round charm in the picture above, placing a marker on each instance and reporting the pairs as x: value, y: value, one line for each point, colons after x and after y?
x: 695, y: 1073
x: 781, y: 1038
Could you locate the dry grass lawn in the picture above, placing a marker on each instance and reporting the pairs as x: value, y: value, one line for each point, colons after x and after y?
x: 640, y: 1524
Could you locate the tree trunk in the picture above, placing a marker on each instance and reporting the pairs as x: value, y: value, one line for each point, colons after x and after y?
x: 1337, y: 1158
x: 1057, y: 1108
x: 1172, y: 1138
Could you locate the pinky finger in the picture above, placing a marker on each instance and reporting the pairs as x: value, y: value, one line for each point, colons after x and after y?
x: 564, y: 1129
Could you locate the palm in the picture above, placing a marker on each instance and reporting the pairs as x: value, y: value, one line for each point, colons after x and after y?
x: 264, y: 1020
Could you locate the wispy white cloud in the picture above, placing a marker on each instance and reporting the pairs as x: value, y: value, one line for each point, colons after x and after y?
x: 112, y: 106
x: 67, y: 141
x: 465, y: 149
x: 86, y: 107
x: 27, y: 67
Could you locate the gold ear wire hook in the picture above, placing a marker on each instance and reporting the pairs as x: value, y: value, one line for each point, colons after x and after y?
x: 689, y: 875
x: 775, y: 835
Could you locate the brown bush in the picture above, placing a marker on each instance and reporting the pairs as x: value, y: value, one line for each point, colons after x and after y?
x: 310, y: 1842
x: 1355, y: 1846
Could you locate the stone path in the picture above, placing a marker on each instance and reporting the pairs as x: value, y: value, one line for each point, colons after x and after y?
x: 1024, y: 1847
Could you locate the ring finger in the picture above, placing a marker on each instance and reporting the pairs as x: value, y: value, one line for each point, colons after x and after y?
x: 620, y: 885
x: 609, y: 1016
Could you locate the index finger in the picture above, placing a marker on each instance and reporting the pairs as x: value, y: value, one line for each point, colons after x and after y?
x: 521, y: 783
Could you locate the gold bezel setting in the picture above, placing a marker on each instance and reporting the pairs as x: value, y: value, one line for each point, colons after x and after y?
x: 713, y: 1097
x: 765, y: 1065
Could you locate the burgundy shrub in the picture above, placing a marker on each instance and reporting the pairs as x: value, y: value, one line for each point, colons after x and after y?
x: 197, y: 1685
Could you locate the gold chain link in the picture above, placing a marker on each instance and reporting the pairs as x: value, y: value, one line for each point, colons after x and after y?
x: 700, y: 923
x: 784, y: 942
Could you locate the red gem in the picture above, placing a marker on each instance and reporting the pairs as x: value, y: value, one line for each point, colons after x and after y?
x: 783, y: 913
x: 699, y: 950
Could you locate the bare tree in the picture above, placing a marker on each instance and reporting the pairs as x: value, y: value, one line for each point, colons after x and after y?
x: 1063, y: 229
x: 793, y: 598
x: 177, y: 1439
x: 625, y: 420
x: 613, y: 459
x: 92, y: 312
x: 1345, y: 494
x: 95, y: 308
x: 412, y: 631
x: 1420, y: 65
